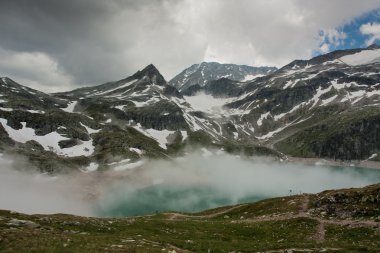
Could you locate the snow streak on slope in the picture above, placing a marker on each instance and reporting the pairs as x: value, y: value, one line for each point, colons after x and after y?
x: 251, y: 77
x: 70, y: 107
x: 114, y: 89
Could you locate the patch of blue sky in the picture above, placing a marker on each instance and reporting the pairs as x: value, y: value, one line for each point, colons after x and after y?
x: 349, y: 34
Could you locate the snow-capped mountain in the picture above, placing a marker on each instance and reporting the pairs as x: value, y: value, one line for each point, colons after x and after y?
x: 36, y: 125
x: 327, y: 106
x: 141, y: 102
x: 201, y: 74
x: 324, y: 107
x: 112, y: 125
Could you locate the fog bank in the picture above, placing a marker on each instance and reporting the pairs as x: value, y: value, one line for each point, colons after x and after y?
x: 204, y: 180
x: 198, y: 181
x: 31, y: 192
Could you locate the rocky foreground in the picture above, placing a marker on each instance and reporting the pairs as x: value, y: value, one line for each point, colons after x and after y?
x: 345, y: 220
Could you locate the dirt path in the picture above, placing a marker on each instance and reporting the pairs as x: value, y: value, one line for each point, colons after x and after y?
x: 321, y: 232
x: 324, y: 249
x: 304, y: 205
x: 175, y: 216
x: 177, y: 250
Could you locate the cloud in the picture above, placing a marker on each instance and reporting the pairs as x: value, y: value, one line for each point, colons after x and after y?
x: 31, y: 192
x: 330, y: 38
x: 324, y: 48
x: 372, y: 30
x: 94, y: 41
x: 35, y: 69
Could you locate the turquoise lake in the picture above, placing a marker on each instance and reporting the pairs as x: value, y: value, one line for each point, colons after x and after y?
x: 212, y: 183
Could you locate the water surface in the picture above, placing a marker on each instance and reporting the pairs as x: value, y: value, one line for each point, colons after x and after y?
x: 196, y: 183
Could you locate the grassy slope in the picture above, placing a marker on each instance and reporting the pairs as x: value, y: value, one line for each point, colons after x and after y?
x: 343, y: 221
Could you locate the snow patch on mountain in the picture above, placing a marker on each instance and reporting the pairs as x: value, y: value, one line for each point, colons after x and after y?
x: 136, y: 150
x: 90, y: 130
x: 128, y: 166
x: 363, y: 57
x: 49, y: 141
x: 251, y: 77
x: 90, y: 168
x: 295, y: 108
x: 262, y: 117
x: 145, y: 103
x: 288, y: 84
x: 328, y: 100
x: 272, y: 133
x: 36, y: 111
x: 70, y: 106
x: 161, y: 136
x: 207, y: 103
x: 114, y: 89
x: 6, y: 109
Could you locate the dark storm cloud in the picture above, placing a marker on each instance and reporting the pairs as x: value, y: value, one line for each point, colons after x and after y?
x: 55, y: 25
x: 62, y: 44
x: 32, y: 25
x: 73, y: 33
x: 86, y: 38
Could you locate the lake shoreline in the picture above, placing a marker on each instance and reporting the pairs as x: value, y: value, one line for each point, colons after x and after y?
x: 328, y: 162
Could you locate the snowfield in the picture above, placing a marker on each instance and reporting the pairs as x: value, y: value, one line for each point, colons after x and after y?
x: 207, y: 103
x: 49, y: 141
x: 363, y: 57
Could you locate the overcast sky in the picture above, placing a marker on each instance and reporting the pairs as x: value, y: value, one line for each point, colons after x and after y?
x: 56, y: 45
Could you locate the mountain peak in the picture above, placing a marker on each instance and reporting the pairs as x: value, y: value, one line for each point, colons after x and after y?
x: 152, y: 73
x: 204, y: 72
x: 150, y: 67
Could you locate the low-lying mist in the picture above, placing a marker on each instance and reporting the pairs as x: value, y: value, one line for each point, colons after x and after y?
x: 192, y: 183
x: 25, y: 190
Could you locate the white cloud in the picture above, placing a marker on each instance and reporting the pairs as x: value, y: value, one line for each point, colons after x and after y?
x: 36, y: 70
x: 371, y: 29
x: 271, y: 32
x: 324, y: 48
x: 113, y: 39
x: 334, y: 36
x: 330, y: 37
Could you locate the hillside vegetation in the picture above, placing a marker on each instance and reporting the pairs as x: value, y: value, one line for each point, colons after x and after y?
x: 332, y: 221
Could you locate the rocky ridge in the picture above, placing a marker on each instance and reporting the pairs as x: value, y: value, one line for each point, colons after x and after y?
x: 203, y: 73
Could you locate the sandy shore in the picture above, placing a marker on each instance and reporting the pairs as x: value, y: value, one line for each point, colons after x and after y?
x: 327, y: 162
